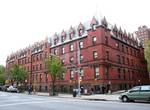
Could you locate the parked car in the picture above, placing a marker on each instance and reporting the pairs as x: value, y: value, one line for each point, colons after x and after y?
x: 136, y: 93
x: 12, y: 89
x: 4, y: 87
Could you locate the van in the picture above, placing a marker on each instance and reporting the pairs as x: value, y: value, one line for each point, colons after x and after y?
x: 136, y: 93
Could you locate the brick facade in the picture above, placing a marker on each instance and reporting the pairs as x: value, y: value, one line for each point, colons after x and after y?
x: 108, y: 58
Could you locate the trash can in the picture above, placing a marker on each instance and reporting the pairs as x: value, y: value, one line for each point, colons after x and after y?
x: 74, y: 93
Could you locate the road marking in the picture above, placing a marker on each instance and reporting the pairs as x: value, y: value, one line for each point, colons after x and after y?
x: 22, y: 103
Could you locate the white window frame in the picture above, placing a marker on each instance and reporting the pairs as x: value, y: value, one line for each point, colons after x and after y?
x: 96, y: 71
x: 71, y: 47
x: 81, y: 44
x: 94, y: 39
x: 71, y: 74
x: 95, y: 55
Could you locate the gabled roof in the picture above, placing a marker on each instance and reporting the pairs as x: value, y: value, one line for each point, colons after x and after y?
x: 80, y: 26
x: 120, y: 31
x: 115, y: 28
x: 63, y: 33
x: 125, y: 33
x: 94, y: 21
x: 104, y: 22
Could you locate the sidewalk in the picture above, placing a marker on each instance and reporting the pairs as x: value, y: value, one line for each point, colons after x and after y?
x: 100, y: 97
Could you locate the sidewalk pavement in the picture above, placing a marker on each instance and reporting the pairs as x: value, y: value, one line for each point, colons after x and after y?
x: 98, y: 97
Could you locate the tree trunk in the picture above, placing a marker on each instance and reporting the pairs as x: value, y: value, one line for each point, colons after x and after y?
x: 53, y: 88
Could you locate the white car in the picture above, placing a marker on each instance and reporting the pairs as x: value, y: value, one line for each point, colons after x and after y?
x: 12, y: 89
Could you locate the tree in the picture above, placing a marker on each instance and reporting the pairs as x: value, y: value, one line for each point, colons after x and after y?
x: 147, y: 53
x: 55, y: 69
x: 2, y: 74
x: 18, y: 74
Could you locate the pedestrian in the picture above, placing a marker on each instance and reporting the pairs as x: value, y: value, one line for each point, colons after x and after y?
x: 29, y: 89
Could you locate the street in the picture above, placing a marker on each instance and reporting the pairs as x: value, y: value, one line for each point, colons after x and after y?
x: 15, y: 101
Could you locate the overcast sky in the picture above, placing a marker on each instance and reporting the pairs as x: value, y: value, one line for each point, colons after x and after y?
x: 23, y: 22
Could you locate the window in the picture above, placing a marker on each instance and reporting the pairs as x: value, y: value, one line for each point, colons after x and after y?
x: 25, y: 60
x: 96, y: 72
x: 71, y: 74
x: 94, y: 40
x: 40, y: 77
x: 71, y: 47
x: 106, y: 40
x: 28, y: 68
x: 80, y: 32
x: 119, y: 73
x: 134, y: 52
x: 93, y: 27
x: 128, y: 61
x: 129, y: 74
x: 62, y: 38
x: 135, y: 89
x: 45, y: 54
x: 40, y: 56
x: 106, y: 72
x: 81, y: 45
x: 117, y: 45
x: 36, y: 76
x: 124, y: 74
x: 62, y: 50
x: 81, y: 58
x: 123, y: 61
x: 40, y: 66
x: 131, y: 51
x: 131, y: 62
x: 145, y: 88
x: 55, y: 51
x: 107, y: 55
x: 63, y: 61
x: 118, y: 58
x: 94, y: 54
x: 55, y: 41
x: 46, y: 77
x: 37, y: 57
x: 33, y: 78
x: 71, y: 60
x: 37, y: 67
x: 122, y: 48
x: 81, y: 72
x: 71, y: 35
x: 127, y: 49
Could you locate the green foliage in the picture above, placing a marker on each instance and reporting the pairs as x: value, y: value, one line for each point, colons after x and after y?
x: 2, y: 74
x: 18, y: 73
x: 147, y: 53
x: 2, y: 69
x: 55, y: 69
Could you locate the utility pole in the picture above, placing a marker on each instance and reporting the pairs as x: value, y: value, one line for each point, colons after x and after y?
x: 78, y: 55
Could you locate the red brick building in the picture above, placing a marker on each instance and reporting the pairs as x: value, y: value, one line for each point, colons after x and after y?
x: 143, y: 34
x: 106, y: 56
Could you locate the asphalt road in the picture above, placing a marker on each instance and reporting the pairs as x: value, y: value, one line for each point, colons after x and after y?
x: 15, y: 101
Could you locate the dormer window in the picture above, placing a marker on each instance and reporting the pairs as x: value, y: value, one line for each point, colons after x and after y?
x: 63, y: 36
x: 94, y: 23
x: 55, y: 41
x: 55, y: 52
x: 80, y: 32
x: 72, y: 33
x: 80, y: 29
x: 93, y: 27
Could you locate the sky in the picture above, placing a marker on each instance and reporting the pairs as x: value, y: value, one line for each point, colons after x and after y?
x: 23, y: 22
